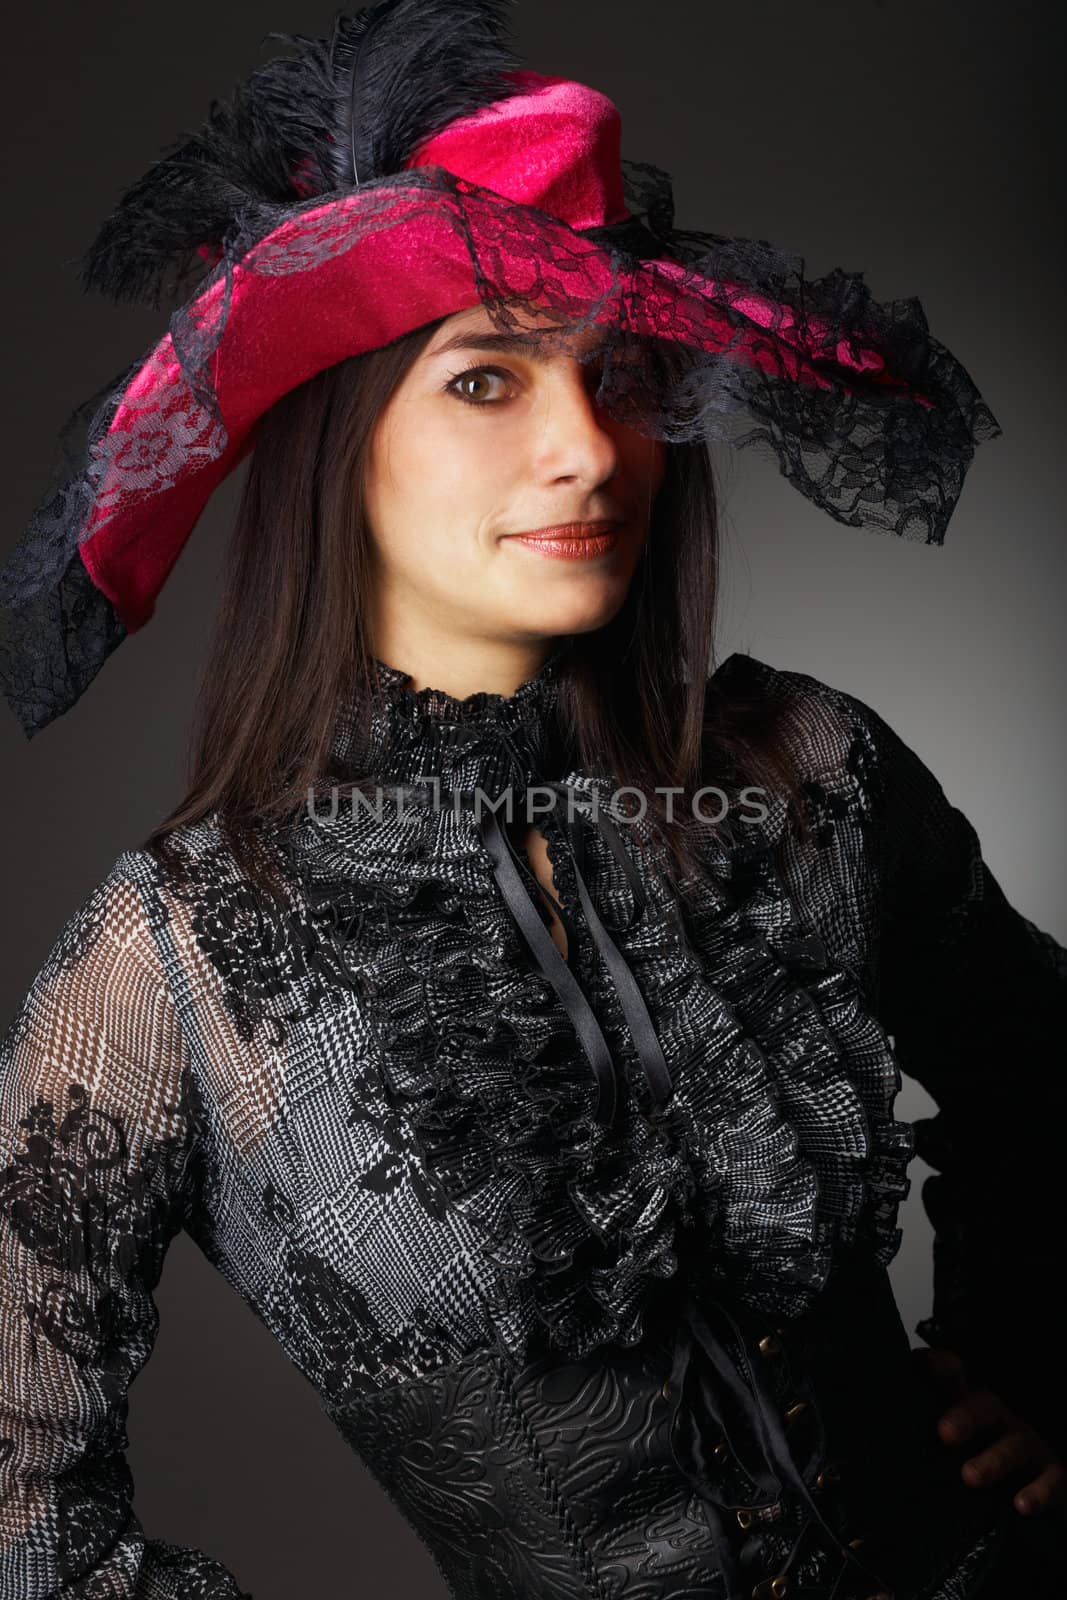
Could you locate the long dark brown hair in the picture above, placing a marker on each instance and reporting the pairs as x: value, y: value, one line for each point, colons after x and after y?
x: 290, y: 642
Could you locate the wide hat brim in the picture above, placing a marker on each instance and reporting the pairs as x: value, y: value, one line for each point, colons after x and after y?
x: 863, y: 411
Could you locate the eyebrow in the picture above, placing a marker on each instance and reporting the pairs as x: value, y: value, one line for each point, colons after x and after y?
x: 514, y: 344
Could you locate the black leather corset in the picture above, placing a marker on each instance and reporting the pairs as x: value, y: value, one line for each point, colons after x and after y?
x: 607, y: 1476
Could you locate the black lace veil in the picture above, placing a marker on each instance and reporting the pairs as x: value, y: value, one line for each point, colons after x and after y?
x: 860, y: 408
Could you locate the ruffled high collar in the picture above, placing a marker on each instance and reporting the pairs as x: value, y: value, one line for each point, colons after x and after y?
x: 485, y: 740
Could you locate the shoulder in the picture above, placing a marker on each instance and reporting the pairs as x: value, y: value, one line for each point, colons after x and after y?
x: 106, y: 939
x: 192, y: 870
x: 829, y: 734
x: 114, y: 962
x: 96, y: 1041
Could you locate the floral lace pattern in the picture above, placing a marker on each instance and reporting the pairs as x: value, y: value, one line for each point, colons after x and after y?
x: 368, y: 1109
x: 778, y: 1143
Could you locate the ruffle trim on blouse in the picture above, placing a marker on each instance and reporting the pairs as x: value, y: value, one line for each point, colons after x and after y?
x: 812, y: 1058
x: 836, y: 1075
x: 777, y: 1147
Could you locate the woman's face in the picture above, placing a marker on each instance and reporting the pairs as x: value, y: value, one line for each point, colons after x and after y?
x: 478, y: 444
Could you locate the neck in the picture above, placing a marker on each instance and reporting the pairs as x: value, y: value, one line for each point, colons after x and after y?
x: 485, y: 739
x: 460, y: 668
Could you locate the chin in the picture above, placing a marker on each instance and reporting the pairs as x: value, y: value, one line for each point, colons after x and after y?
x: 570, y: 607
x: 579, y: 619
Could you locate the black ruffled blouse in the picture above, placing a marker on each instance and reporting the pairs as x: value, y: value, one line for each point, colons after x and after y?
x: 585, y: 1256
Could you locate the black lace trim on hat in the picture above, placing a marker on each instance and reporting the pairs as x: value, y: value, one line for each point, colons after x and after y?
x: 745, y: 349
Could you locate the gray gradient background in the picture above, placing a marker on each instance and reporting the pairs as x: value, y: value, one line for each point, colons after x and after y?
x: 913, y: 141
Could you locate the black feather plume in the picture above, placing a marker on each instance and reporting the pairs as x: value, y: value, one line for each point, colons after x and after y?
x: 302, y: 125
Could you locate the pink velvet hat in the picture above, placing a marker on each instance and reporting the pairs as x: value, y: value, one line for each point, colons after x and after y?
x: 406, y: 168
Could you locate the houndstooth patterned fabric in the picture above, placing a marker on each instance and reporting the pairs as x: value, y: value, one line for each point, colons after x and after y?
x: 371, y: 1113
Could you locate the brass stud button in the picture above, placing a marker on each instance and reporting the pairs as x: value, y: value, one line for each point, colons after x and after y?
x: 770, y: 1346
x: 828, y: 1475
x: 855, y: 1544
x: 665, y: 1388
x: 795, y: 1410
x: 721, y: 1451
x: 771, y: 1589
x: 745, y: 1519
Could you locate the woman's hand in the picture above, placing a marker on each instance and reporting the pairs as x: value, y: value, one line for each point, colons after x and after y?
x: 1015, y: 1448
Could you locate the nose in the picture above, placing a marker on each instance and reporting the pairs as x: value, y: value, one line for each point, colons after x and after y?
x: 573, y: 436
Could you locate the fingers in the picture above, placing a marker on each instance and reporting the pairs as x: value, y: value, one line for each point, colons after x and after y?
x: 1047, y: 1493
x: 1017, y: 1451
x: 980, y: 1409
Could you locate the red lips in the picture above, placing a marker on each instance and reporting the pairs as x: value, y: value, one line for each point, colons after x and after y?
x: 574, y: 541
x: 570, y: 530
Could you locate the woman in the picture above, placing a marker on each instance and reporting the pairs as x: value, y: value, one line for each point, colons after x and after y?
x: 550, y: 1129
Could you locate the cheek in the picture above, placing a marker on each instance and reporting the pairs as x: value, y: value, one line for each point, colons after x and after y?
x: 431, y: 488
x: 427, y: 463
x: 646, y: 459
x: 657, y: 457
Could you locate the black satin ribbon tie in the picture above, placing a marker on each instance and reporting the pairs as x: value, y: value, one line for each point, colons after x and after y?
x: 718, y: 1377
x: 552, y: 965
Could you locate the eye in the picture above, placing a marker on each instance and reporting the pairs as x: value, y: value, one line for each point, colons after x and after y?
x: 456, y: 379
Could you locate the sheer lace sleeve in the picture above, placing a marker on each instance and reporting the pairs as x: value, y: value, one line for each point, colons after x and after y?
x: 975, y: 997
x: 97, y: 1140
